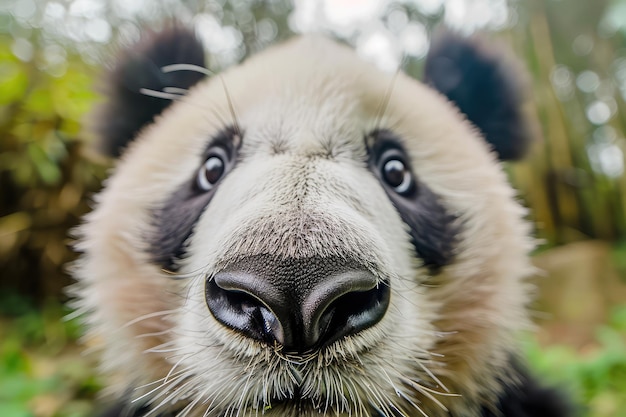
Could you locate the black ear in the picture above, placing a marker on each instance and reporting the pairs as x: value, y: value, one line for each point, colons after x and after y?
x: 487, y: 85
x: 127, y: 107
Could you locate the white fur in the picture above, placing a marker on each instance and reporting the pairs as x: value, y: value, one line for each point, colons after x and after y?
x: 443, y: 340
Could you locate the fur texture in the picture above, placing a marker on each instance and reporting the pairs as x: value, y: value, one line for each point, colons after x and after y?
x: 486, y: 85
x: 128, y: 108
x: 302, y: 181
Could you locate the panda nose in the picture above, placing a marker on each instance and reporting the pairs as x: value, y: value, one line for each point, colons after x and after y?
x: 300, y: 312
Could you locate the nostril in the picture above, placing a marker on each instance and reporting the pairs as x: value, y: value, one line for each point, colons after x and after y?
x: 243, y: 312
x: 353, y: 312
x: 300, y: 307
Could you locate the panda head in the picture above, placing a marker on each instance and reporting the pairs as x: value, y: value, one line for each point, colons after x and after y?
x: 303, y: 235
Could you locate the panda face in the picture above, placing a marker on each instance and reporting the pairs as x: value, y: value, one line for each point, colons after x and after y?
x: 306, y: 236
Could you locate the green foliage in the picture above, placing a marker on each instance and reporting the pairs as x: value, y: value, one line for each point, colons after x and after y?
x: 41, y: 370
x: 13, y: 80
x: 44, y: 176
x: 618, y: 258
x: 596, y: 377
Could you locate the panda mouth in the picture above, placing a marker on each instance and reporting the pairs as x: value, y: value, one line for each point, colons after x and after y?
x: 302, y: 405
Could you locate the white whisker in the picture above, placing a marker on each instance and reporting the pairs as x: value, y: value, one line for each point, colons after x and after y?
x: 159, y: 94
x: 148, y: 316
x: 187, y: 67
x: 175, y: 90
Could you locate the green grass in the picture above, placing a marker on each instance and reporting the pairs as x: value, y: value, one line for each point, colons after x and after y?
x: 42, y: 371
x: 595, y: 378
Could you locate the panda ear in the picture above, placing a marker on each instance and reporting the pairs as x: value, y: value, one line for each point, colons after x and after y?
x: 487, y: 85
x: 128, y: 106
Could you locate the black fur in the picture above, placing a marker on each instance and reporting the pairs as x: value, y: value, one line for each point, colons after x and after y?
x: 126, y: 409
x: 486, y: 85
x: 123, y: 409
x: 527, y: 398
x: 433, y: 230
x: 126, y: 110
x: 174, y: 221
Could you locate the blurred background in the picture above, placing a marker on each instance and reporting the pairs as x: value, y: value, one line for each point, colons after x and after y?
x: 51, y: 53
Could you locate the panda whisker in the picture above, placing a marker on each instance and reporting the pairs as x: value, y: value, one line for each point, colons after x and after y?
x: 160, y: 94
x: 231, y: 108
x: 187, y: 67
x: 189, y: 374
x: 244, y: 392
x: 147, y: 317
x: 294, y: 359
x: 422, y: 353
x: 190, y: 407
x: 159, y: 387
x: 77, y: 310
x: 153, y: 334
x: 173, y: 369
x: 181, y: 275
x: 164, y: 350
x: 382, y: 107
x: 175, y: 90
x: 382, y: 402
x: 406, y: 398
x: 432, y: 376
x: 148, y: 384
x: 217, y: 394
x: 176, y: 393
x: 178, y: 94
x: 169, y: 379
x: 353, y: 395
x: 428, y: 393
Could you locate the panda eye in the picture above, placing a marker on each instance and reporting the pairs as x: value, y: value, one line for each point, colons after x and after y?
x: 211, y: 171
x: 396, y: 173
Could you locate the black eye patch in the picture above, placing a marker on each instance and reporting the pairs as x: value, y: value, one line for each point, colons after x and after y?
x: 174, y: 220
x: 433, y: 230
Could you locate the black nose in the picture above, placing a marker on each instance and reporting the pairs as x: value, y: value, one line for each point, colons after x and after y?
x: 299, y: 304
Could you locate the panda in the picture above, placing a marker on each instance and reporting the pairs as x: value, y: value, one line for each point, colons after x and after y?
x: 304, y: 235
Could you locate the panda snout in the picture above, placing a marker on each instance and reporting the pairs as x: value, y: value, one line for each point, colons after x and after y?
x: 298, y: 305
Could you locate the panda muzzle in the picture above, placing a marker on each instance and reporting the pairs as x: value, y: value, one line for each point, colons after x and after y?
x: 296, y: 305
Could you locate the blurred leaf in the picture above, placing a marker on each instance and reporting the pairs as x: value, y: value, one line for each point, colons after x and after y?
x: 13, y: 77
x: 13, y: 82
x: 14, y: 223
x: 47, y: 169
x: 14, y: 409
x: 39, y: 101
x: 73, y: 94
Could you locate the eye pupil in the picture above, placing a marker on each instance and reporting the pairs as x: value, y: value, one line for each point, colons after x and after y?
x: 213, y: 169
x: 395, y: 173
x: 211, y: 172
